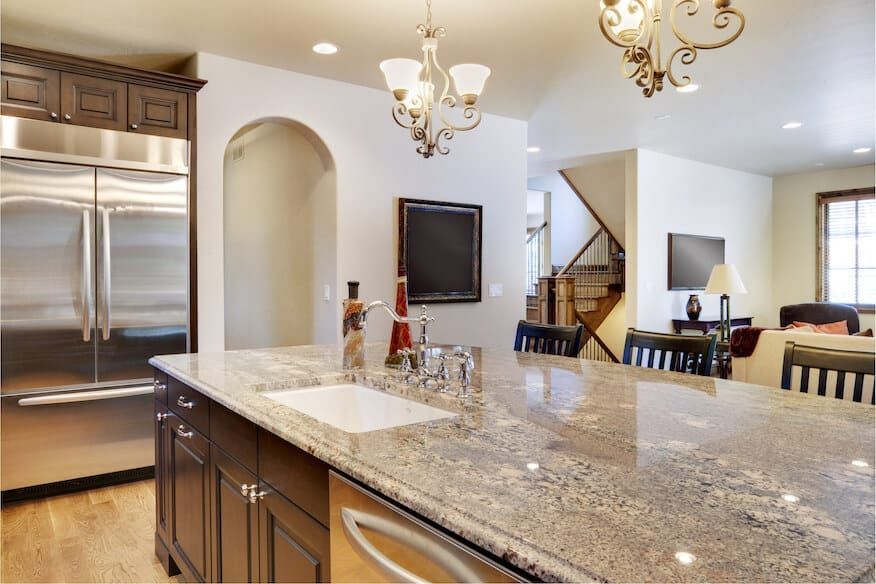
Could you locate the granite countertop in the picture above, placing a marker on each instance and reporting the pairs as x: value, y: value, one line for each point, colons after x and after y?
x: 579, y: 470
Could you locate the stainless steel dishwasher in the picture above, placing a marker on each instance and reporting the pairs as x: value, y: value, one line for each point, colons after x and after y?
x: 373, y: 540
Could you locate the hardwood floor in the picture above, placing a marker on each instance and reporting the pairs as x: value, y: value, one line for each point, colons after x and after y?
x: 102, y: 535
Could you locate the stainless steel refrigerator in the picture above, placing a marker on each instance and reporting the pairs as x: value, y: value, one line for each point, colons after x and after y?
x: 93, y: 282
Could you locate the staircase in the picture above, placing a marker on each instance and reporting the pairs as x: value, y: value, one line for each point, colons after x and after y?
x: 598, y: 269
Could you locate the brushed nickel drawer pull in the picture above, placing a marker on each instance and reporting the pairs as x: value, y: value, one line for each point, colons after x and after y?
x: 181, y: 432
x: 160, y: 416
x: 159, y: 386
x: 182, y: 402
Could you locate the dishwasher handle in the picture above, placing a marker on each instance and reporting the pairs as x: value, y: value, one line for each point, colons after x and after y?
x: 81, y: 396
x: 351, y: 519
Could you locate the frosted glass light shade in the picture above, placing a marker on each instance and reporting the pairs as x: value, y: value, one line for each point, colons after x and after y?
x: 469, y: 79
x: 402, y: 76
x: 631, y: 17
x: 725, y: 280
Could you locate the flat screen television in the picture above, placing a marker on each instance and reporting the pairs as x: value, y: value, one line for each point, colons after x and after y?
x: 441, y: 250
x: 691, y: 259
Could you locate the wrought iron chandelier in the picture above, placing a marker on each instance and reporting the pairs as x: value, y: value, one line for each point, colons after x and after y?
x: 411, y: 84
x: 635, y: 26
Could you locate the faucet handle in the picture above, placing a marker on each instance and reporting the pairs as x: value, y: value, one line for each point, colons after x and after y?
x: 405, y: 353
x: 424, y: 317
x: 466, y: 364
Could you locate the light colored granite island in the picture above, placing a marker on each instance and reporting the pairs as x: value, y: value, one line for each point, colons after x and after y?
x: 579, y: 470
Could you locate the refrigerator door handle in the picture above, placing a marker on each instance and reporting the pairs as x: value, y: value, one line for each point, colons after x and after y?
x: 87, y: 290
x: 81, y: 396
x: 107, y: 274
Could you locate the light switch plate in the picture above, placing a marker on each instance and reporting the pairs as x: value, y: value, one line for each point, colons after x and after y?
x: 496, y: 290
x: 326, y: 293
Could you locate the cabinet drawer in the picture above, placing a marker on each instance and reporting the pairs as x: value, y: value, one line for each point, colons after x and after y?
x: 89, y: 101
x: 30, y: 92
x: 157, y: 111
x: 235, y: 435
x: 191, y: 406
x: 159, y: 384
x: 298, y: 476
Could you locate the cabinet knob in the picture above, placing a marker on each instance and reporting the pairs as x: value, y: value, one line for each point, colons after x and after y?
x: 160, y: 416
x: 53, y: 115
x: 159, y: 386
x: 134, y: 126
x: 67, y: 117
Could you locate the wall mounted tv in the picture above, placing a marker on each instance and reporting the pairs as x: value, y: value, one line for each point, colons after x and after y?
x: 691, y: 259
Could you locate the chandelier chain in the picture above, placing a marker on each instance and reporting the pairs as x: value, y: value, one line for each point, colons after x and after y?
x: 429, y: 14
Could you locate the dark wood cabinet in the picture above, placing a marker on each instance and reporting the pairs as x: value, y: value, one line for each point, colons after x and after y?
x: 157, y: 111
x: 30, y: 92
x: 217, y: 518
x: 92, y: 101
x: 190, y: 499
x: 293, y: 547
x: 235, y: 519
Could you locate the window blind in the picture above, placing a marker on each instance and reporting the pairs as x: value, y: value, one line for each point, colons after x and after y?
x: 848, y: 248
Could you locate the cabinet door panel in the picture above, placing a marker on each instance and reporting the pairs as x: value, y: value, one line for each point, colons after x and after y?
x: 89, y: 101
x: 293, y: 547
x: 30, y: 92
x: 162, y: 470
x: 235, y: 521
x: 190, y: 499
x: 157, y: 111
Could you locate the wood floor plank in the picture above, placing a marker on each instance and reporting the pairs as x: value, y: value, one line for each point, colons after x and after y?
x: 102, y: 535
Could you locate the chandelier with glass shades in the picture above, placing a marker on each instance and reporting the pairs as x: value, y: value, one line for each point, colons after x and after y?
x: 634, y: 25
x: 416, y: 104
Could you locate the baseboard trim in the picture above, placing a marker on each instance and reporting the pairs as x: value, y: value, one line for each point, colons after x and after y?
x: 79, y: 484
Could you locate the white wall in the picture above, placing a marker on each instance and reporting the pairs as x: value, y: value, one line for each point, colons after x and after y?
x: 571, y: 224
x: 375, y: 162
x: 279, y: 205
x: 603, y: 183
x: 794, y: 231
x: 674, y: 195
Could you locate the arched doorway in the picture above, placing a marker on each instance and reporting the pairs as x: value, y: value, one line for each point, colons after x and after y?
x: 280, y: 228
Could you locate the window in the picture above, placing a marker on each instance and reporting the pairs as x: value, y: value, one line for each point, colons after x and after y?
x: 847, y: 247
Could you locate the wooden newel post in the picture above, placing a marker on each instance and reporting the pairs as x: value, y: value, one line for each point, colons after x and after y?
x: 546, y: 302
x: 565, y: 301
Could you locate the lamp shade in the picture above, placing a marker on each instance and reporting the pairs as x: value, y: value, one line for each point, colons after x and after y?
x: 402, y: 76
x: 469, y: 78
x: 627, y: 18
x: 725, y: 280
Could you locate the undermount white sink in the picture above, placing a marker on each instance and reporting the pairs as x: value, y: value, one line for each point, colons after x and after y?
x: 356, y: 408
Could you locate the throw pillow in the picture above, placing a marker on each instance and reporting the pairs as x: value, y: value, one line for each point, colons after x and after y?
x: 831, y: 328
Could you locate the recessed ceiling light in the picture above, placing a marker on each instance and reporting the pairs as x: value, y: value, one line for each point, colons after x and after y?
x: 533, y: 149
x: 861, y: 463
x: 325, y: 48
x: 861, y: 150
x: 689, y: 88
x: 790, y: 498
x: 663, y: 117
x: 792, y: 125
x: 819, y: 164
x: 685, y: 558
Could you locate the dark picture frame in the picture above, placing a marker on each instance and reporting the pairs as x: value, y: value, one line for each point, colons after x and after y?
x: 671, y: 285
x: 440, y: 247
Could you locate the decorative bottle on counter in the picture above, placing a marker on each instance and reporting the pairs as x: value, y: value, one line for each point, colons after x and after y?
x: 694, y: 308
x: 354, y: 332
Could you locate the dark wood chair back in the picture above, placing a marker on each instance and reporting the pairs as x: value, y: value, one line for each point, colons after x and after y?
x: 857, y: 363
x: 681, y: 353
x: 548, y: 339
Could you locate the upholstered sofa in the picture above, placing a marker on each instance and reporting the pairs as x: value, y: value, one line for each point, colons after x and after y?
x: 820, y: 313
x: 764, y: 366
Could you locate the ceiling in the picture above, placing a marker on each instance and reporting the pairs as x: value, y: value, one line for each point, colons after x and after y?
x: 806, y: 60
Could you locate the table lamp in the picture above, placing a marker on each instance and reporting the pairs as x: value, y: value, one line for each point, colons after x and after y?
x: 725, y: 281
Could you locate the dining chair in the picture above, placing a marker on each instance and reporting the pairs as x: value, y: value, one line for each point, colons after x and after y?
x: 548, y: 339
x: 825, y: 361
x: 680, y: 353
